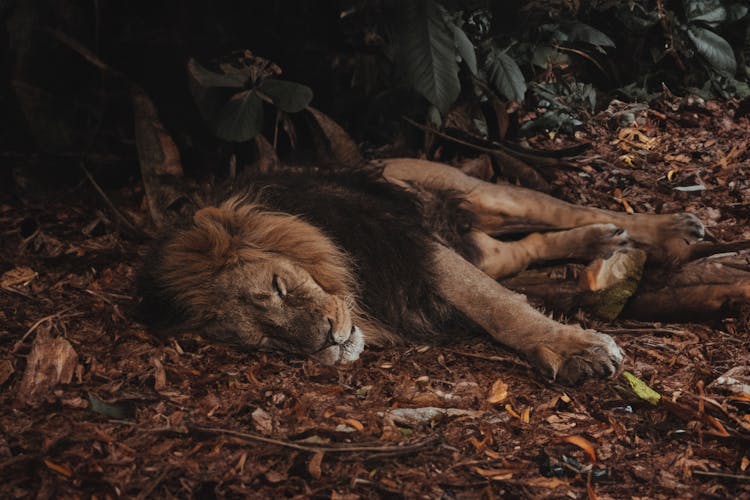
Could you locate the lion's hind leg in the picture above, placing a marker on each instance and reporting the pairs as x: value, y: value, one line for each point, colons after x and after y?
x: 664, y: 236
x: 564, y: 352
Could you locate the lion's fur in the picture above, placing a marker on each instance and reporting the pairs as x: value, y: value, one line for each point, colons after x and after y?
x: 358, y: 238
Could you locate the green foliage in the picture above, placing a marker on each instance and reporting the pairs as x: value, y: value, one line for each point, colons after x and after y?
x: 429, y: 43
x: 695, y: 34
x: 231, y: 102
x: 426, y: 49
x: 444, y: 49
x: 561, y: 102
x: 576, y: 31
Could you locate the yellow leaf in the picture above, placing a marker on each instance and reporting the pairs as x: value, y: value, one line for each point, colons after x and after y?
x: 494, y: 474
x: 627, y: 159
x: 627, y: 206
x: 526, y: 415
x: 642, y: 390
x: 511, y: 411
x: 354, y: 423
x: 498, y: 392
x: 17, y: 276
x: 546, y: 482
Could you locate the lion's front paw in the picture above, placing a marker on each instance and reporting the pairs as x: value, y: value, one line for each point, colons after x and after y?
x: 577, y: 354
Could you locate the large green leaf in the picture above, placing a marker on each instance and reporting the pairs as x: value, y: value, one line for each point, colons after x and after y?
x: 544, y: 56
x: 209, y: 100
x: 505, y: 75
x: 638, y: 19
x: 465, y: 48
x: 241, y: 117
x: 714, y: 49
x: 426, y: 50
x: 578, y: 31
x: 714, y: 12
x: 207, y: 79
x: 288, y: 96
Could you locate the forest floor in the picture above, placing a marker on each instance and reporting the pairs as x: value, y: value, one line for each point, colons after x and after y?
x: 144, y: 418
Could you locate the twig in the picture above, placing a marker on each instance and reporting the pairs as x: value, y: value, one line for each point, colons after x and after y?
x: 723, y: 475
x: 512, y: 165
x: 38, y: 323
x: 151, y: 486
x: 584, y: 55
x: 93, y: 59
x: 706, y: 249
x: 83, y: 51
x: 508, y: 359
x: 516, y: 152
x: 642, y: 330
x: 343, y: 448
x: 120, y: 216
x: 358, y: 481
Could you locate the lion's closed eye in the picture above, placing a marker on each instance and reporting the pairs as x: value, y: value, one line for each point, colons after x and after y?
x: 279, y: 286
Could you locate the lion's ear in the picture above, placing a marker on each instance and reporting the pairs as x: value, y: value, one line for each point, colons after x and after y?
x: 215, y: 228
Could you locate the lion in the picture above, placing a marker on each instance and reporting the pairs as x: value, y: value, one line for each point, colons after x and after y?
x: 323, y: 264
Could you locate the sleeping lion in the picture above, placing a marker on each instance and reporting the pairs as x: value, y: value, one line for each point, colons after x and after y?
x: 321, y: 265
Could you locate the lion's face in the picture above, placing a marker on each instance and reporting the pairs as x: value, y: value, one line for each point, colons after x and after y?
x: 272, y: 303
x: 260, y: 279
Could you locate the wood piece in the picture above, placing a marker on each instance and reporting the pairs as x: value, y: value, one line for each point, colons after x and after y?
x: 159, y: 158
x: 52, y: 361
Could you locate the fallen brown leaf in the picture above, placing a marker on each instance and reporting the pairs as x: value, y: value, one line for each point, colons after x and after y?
x: 583, y: 443
x: 60, y: 469
x: 313, y: 466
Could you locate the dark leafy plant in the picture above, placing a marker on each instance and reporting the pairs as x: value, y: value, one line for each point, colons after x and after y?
x: 693, y: 33
x: 231, y: 101
x: 560, y: 103
x: 429, y: 44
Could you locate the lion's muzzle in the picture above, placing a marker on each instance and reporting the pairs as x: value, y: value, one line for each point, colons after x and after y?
x: 342, y: 347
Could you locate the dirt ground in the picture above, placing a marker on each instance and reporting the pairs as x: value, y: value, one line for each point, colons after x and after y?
x: 143, y: 418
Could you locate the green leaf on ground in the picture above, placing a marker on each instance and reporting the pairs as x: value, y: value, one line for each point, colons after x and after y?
x: 641, y: 389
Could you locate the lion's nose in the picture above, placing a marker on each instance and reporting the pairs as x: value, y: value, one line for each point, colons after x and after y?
x: 336, y: 335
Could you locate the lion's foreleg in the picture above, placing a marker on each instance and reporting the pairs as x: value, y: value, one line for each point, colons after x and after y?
x: 565, y: 352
